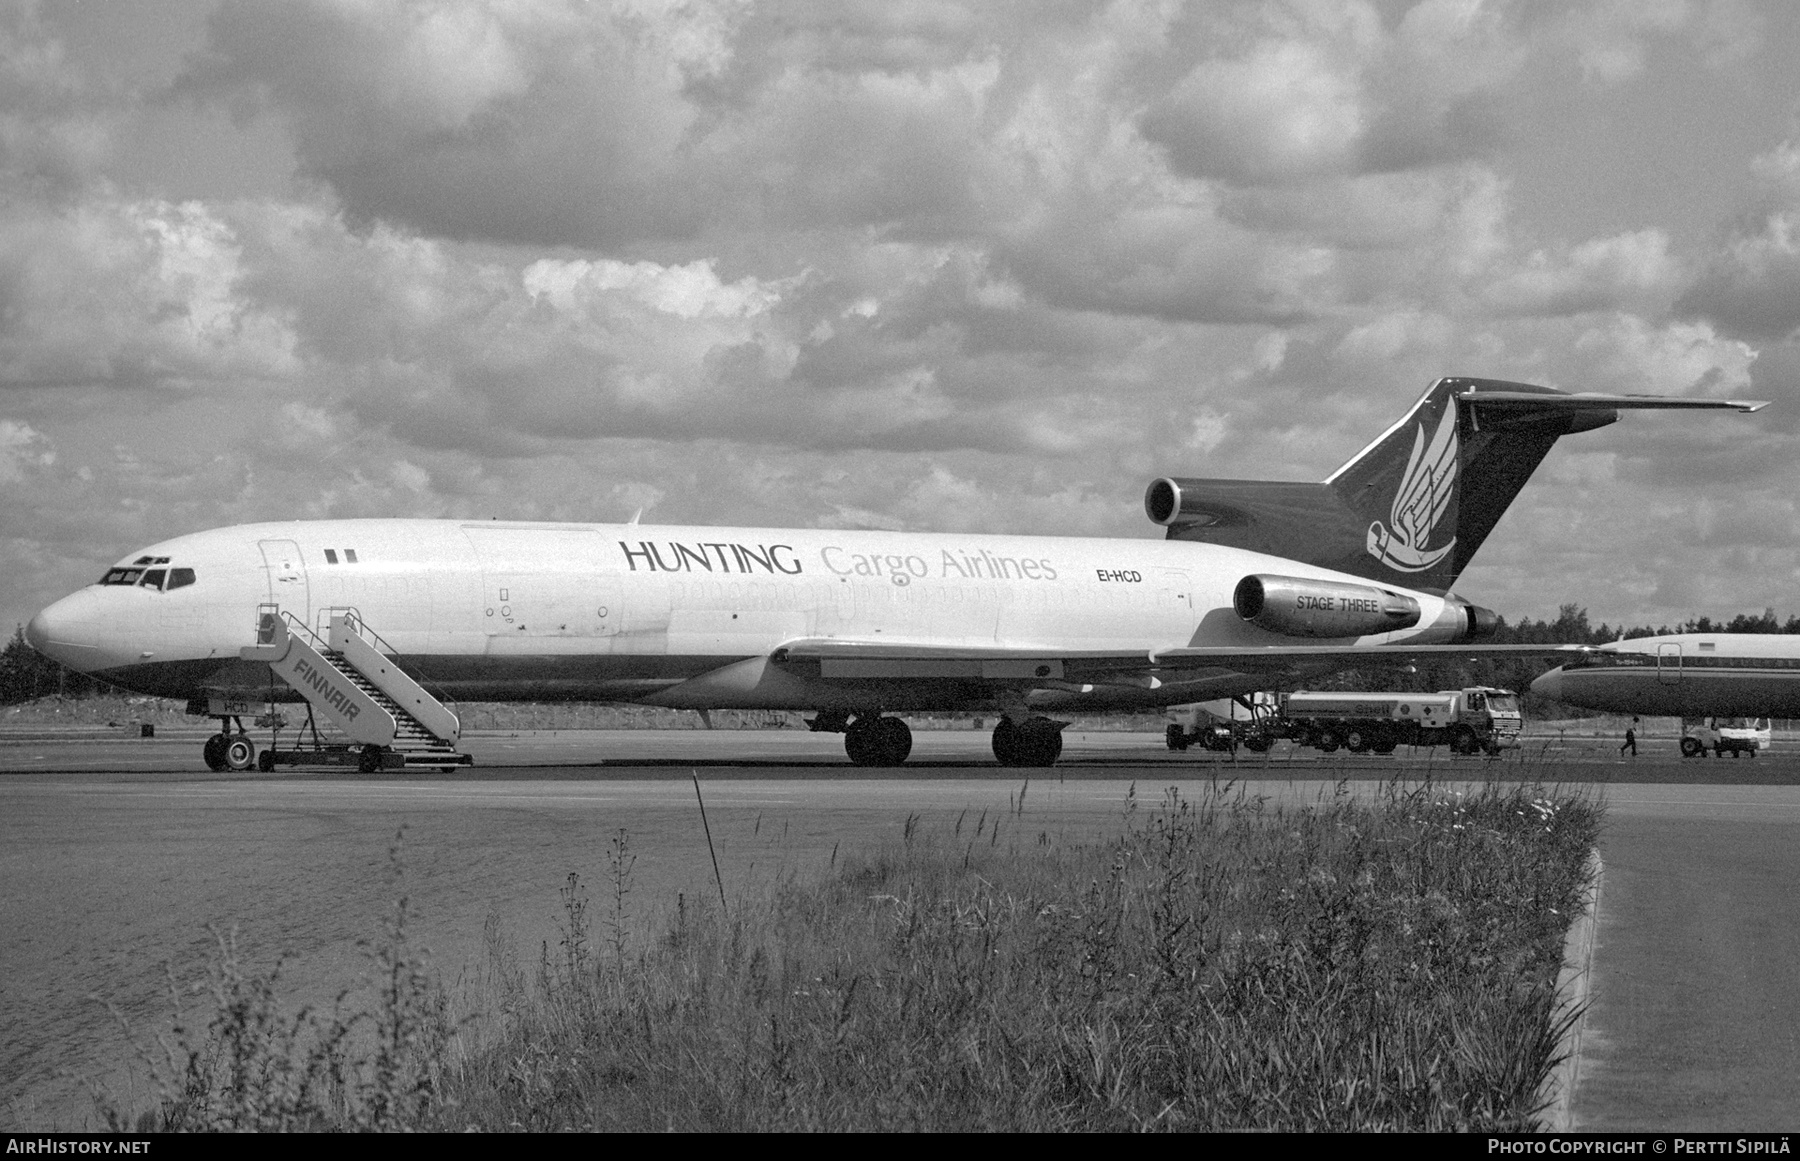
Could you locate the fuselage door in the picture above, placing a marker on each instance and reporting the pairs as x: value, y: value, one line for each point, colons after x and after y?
x: 1175, y: 602
x: 1668, y: 663
x: 286, y: 570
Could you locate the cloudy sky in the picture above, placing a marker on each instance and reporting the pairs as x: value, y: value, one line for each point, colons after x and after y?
x: 932, y: 265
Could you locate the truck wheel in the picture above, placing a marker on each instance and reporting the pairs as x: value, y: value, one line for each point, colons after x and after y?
x: 1176, y: 737
x: 1256, y: 744
x: 1691, y: 748
x: 1463, y: 741
x: 1326, y: 740
x: 1356, y: 740
x: 1383, y: 742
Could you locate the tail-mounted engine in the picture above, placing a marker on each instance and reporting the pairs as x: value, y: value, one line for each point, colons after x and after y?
x: 1166, y: 503
x: 1296, y: 607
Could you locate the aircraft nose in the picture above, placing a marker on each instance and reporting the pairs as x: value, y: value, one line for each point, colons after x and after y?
x: 37, y: 631
x: 1549, y: 685
x: 69, y: 632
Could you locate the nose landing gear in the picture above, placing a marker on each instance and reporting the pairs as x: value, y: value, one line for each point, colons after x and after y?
x: 229, y: 749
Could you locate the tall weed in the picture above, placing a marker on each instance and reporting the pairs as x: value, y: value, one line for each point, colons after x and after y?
x: 1222, y: 963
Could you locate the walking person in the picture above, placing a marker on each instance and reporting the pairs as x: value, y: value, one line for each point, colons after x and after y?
x: 1630, y: 742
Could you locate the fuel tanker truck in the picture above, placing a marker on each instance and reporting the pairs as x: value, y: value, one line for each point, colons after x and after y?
x: 1469, y: 721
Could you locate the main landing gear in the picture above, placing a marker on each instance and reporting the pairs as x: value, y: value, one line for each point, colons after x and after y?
x: 878, y: 741
x: 874, y: 740
x: 1037, y: 741
x: 870, y: 740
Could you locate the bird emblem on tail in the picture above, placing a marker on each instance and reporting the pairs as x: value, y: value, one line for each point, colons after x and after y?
x: 1420, y: 502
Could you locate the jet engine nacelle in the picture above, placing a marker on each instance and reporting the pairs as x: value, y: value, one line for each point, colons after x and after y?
x: 1164, y: 503
x: 1482, y: 622
x: 1297, y: 607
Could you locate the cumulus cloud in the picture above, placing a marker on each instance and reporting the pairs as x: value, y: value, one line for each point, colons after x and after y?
x: 1297, y: 92
x: 22, y: 449
x: 1634, y: 270
x: 56, y: 123
x: 1751, y: 285
x: 131, y: 293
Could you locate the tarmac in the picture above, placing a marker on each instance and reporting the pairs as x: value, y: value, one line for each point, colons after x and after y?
x: 118, y: 853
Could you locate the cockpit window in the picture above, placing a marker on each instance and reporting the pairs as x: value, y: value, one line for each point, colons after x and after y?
x: 150, y: 578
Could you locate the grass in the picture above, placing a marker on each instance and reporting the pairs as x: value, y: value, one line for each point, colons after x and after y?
x: 251, y: 1068
x: 1220, y: 963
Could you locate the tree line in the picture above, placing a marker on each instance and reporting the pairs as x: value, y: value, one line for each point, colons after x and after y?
x: 26, y: 674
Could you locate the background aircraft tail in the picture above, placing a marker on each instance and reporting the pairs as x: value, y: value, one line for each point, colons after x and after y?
x: 1412, y: 508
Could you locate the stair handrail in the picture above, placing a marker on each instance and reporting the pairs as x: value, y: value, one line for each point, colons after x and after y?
x: 264, y: 635
x: 355, y: 622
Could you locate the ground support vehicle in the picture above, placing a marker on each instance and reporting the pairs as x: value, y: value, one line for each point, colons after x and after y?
x: 1723, y: 736
x: 1222, y: 725
x: 1469, y: 721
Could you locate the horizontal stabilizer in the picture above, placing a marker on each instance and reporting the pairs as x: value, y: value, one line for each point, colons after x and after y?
x: 1596, y: 401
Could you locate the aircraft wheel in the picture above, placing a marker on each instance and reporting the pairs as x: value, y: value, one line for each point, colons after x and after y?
x: 214, y: 752
x: 265, y: 761
x: 878, y: 741
x: 1691, y: 748
x: 370, y: 761
x: 240, y: 753
x: 1356, y: 741
x: 1006, y: 742
x: 1036, y: 743
x: 893, y: 741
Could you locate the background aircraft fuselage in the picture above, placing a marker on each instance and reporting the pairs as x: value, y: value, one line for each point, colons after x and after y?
x: 1685, y: 675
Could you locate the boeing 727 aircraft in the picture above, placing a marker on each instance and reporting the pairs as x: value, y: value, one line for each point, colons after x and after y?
x: 1690, y: 675
x: 1256, y: 584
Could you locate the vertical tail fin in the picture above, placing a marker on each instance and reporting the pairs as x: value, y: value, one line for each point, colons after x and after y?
x: 1413, y: 507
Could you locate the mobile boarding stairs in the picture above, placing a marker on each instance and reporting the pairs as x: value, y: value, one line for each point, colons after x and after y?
x: 391, y: 721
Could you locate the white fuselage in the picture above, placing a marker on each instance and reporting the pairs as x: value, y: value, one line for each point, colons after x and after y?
x: 1685, y: 675
x: 656, y: 614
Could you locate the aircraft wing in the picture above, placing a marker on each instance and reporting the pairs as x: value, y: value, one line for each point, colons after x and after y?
x: 1596, y: 401
x: 893, y: 660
